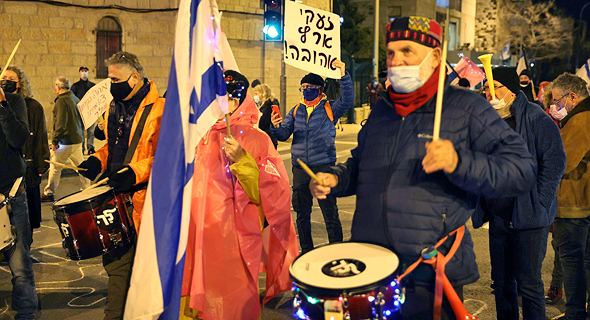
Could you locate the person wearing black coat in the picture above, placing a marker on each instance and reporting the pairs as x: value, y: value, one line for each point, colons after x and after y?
x: 264, y: 101
x: 36, y: 149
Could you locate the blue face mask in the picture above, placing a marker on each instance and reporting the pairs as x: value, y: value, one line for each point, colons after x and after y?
x: 310, y: 94
x: 406, y: 79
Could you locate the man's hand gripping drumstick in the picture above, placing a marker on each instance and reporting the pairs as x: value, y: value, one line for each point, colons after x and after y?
x: 321, y: 183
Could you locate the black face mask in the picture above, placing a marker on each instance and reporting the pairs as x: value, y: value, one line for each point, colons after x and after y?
x: 8, y: 86
x: 121, y: 90
x: 524, y: 84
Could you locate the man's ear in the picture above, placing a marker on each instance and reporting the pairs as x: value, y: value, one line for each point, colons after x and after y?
x: 436, y: 54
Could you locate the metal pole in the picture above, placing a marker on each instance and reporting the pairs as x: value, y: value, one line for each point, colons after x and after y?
x: 283, y: 102
x: 376, y: 46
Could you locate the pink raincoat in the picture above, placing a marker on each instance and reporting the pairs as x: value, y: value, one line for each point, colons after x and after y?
x: 225, y: 246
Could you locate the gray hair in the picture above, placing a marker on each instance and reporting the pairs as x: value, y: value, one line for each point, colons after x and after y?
x: 62, y: 82
x: 127, y: 61
x: 25, y: 89
x: 568, y: 82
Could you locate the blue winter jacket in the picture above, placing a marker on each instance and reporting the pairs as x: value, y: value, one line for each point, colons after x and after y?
x: 401, y: 207
x: 537, y: 208
x: 313, y: 140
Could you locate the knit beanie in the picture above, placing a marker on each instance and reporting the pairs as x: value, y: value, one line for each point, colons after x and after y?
x: 507, y: 77
x: 418, y: 29
x: 313, y: 78
x: 236, y: 84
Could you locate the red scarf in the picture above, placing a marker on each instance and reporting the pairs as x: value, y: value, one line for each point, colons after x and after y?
x: 406, y: 103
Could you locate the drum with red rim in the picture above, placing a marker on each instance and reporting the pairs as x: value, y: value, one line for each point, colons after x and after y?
x: 349, y: 280
x: 94, y: 222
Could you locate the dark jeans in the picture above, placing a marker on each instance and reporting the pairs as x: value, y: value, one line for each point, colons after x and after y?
x: 34, y: 204
x: 556, y: 275
x: 419, y: 304
x: 516, y: 258
x: 302, y: 202
x: 571, y: 237
x: 118, y: 266
x: 24, y: 295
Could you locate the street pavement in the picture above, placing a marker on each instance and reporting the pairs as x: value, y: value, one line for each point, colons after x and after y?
x: 78, y: 289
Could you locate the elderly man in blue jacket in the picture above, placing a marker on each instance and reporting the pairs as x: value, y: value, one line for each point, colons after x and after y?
x: 519, y: 226
x: 411, y: 191
x: 312, y: 124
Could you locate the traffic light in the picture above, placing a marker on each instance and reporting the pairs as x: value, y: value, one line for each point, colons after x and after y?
x: 273, y: 20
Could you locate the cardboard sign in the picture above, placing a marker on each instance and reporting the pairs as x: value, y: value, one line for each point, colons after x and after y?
x: 95, y: 102
x: 312, y: 39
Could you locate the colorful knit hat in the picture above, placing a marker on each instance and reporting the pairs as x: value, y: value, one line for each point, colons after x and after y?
x: 418, y: 29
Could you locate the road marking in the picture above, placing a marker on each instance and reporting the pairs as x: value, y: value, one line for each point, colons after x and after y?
x: 482, y: 308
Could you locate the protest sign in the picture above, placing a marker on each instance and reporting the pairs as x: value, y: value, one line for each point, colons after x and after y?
x: 95, y: 102
x: 312, y: 39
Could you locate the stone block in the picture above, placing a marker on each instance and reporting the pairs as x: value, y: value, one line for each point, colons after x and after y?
x: 84, y: 48
x: 20, y: 8
x: 140, y: 50
x: 148, y: 38
x: 47, y: 71
x: 160, y: 26
x: 79, y: 60
x: 76, y: 35
x: 48, y: 11
x: 61, y: 22
x: 162, y: 50
x: 30, y: 34
x: 10, y: 33
x: 28, y: 47
x: 78, y: 23
x: 32, y: 59
x: 59, y: 47
x: 68, y: 11
x: 62, y: 59
x: 53, y: 34
x: 46, y: 60
x: 40, y: 21
x: 20, y: 20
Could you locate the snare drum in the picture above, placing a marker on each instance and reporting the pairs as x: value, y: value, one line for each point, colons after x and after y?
x: 348, y: 280
x: 94, y: 222
x: 7, y: 236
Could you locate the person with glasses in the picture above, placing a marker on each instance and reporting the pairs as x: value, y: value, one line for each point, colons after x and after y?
x: 571, y: 228
x: 519, y: 226
x: 132, y: 129
x: 68, y: 135
x: 312, y: 123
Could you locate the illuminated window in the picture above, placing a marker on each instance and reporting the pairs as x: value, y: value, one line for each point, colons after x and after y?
x: 108, y: 42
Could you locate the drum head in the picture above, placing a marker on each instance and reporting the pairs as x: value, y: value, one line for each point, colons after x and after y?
x: 83, y: 195
x: 350, y: 266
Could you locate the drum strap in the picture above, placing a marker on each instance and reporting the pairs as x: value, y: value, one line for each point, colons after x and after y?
x: 137, y: 134
x: 438, y: 262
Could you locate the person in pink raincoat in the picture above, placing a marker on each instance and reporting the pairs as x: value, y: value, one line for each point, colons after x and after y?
x: 241, y: 185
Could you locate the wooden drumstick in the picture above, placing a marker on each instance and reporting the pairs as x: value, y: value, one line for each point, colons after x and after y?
x: 103, y: 181
x: 441, y: 82
x: 66, y: 166
x: 227, y: 123
x: 309, y: 172
x: 10, y: 58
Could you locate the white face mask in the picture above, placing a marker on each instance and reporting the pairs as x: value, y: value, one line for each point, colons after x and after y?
x: 84, y: 75
x: 406, y: 79
x: 257, y: 99
x: 501, y: 103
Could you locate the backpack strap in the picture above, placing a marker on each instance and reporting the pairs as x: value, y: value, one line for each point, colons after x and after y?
x: 137, y: 134
x: 295, y: 111
x: 329, y: 111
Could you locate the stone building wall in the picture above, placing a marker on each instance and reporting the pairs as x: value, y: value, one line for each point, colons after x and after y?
x: 56, y: 41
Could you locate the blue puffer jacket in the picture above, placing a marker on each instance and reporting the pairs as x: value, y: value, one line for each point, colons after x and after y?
x: 401, y: 207
x: 537, y: 208
x: 313, y: 140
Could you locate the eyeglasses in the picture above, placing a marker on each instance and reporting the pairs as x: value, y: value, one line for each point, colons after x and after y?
x: 304, y: 87
x: 485, y: 89
x: 128, y: 60
x: 558, y: 101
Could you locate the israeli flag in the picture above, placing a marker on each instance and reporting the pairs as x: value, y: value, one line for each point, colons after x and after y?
x: 584, y: 72
x: 196, y: 98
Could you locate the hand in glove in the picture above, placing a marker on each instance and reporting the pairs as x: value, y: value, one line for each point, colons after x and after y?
x: 93, y: 166
x: 122, y: 182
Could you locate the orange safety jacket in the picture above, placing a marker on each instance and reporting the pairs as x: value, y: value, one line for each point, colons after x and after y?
x: 143, y: 157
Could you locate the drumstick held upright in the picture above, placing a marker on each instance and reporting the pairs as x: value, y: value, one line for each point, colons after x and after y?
x: 309, y: 172
x: 103, y: 181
